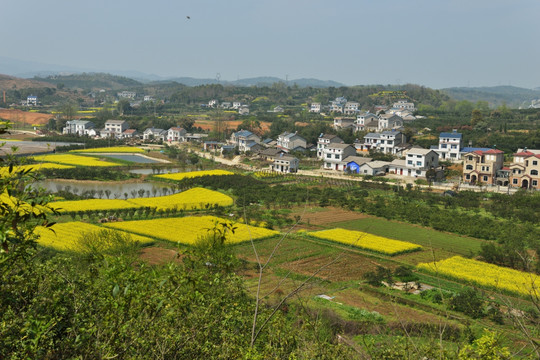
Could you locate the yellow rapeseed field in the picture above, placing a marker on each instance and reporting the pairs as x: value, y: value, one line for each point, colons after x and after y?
x: 367, y: 241
x: 484, y: 274
x: 34, y: 167
x: 114, y: 149
x: 77, y: 160
x: 192, y: 174
x: 67, y: 235
x: 187, y: 230
x: 196, y: 198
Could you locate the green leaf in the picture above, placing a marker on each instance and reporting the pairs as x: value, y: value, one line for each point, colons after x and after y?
x: 116, y: 290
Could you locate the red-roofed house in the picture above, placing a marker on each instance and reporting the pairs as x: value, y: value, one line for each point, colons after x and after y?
x: 524, y: 170
x: 482, y: 166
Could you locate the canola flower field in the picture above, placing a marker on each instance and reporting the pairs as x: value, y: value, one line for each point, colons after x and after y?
x: 192, y: 199
x: 196, y: 198
x: 34, y: 167
x: 192, y: 174
x: 187, y: 230
x: 113, y: 149
x: 76, y: 160
x: 367, y: 241
x: 486, y: 275
x: 67, y: 235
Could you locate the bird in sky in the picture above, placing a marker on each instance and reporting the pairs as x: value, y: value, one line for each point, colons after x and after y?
x: 188, y: 17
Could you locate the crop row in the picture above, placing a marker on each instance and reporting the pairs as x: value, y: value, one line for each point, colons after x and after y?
x: 112, y: 149
x: 367, y: 241
x: 76, y: 160
x: 188, y: 230
x: 33, y: 167
x: 487, y: 275
x: 196, y: 198
x: 68, y: 236
x: 193, y: 174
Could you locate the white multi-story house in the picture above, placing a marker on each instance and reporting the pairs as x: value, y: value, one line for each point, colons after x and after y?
x: 285, y: 164
x: 116, y: 127
x: 236, y: 105
x: 389, y: 121
x: 338, y: 105
x: 225, y: 105
x: 419, y: 161
x: 244, y: 140
x: 450, y: 144
x: 127, y: 95
x: 387, y: 142
x: 31, y: 100
x: 78, y: 127
x: 334, y: 156
x: 363, y: 119
x: 291, y: 142
x: 244, y: 110
x: 315, y: 108
x: 176, y: 134
x: 324, y: 141
x: 154, y: 134
x: 148, y: 98
x: 213, y: 103
x: 404, y: 104
x: 351, y: 108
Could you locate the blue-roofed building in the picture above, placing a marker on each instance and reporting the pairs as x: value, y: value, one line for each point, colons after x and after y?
x: 450, y: 146
x: 244, y: 140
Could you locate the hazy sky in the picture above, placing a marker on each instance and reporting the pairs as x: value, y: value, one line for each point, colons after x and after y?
x: 436, y: 43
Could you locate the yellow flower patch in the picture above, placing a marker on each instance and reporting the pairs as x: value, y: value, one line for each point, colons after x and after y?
x: 114, y: 149
x: 367, y: 241
x: 192, y: 174
x: 76, y: 160
x: 188, y: 230
x: 196, y: 198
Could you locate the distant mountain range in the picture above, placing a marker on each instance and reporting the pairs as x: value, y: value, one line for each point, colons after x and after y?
x: 495, y: 95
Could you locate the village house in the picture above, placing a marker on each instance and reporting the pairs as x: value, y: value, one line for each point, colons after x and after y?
x: 353, y: 163
x: 449, y: 146
x: 244, y: 140
x: 481, y: 165
x: 130, y: 134
x: 115, y: 128
x: 387, y: 142
x: 225, y: 105
x: 419, y: 161
x: 243, y: 110
x: 148, y: 98
x: 31, y: 100
x: 270, y: 154
x: 127, y: 95
x: 176, y: 134
x: 291, y: 142
x: 343, y: 123
x: 350, y: 108
x: 77, y: 127
x: 389, y: 122
x: 154, y: 134
x: 286, y: 164
x: 323, y: 141
x: 525, y: 169
x: 404, y: 104
x: 379, y: 168
x: 236, y: 105
x: 315, y: 108
x: 335, y: 154
x: 213, y: 103
x: 364, y: 119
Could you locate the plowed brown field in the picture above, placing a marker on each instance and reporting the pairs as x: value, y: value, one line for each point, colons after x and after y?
x: 24, y: 117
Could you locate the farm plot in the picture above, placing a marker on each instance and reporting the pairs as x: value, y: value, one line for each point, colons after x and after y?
x: 192, y: 174
x: 196, y: 198
x: 188, y: 230
x: 33, y: 167
x: 113, y: 149
x: 487, y: 275
x: 67, y: 236
x: 76, y: 160
x: 367, y: 241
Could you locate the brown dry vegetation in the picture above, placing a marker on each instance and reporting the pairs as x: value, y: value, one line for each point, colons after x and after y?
x: 24, y: 117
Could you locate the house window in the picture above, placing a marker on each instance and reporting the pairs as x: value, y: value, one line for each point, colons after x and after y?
x: 328, y: 156
x: 469, y: 167
x: 515, y: 181
x: 418, y: 172
x: 453, y: 146
x: 328, y: 165
x: 418, y: 156
x: 535, y: 163
x: 409, y: 162
x: 534, y: 172
x: 443, y: 146
x: 337, y: 156
x: 470, y: 158
x: 467, y: 176
x: 418, y: 163
x: 485, y: 178
x: 534, y: 183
